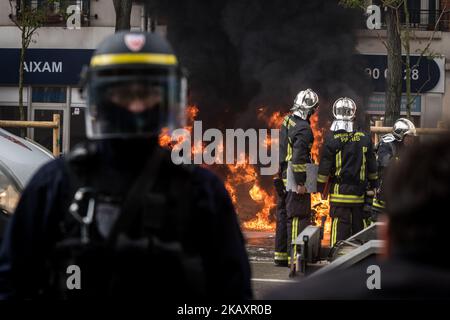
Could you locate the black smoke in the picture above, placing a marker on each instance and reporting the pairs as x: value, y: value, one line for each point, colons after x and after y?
x: 243, y: 54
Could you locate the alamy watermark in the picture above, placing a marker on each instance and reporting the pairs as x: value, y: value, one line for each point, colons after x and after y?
x: 374, y: 280
x: 73, y: 21
x: 215, y: 147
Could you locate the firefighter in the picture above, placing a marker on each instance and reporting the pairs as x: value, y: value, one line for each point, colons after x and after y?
x: 116, y: 215
x: 347, y: 164
x: 389, y: 149
x: 299, y: 142
x: 281, y: 250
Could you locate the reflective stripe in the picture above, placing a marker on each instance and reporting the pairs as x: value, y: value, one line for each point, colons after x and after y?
x: 299, y: 167
x: 281, y: 256
x: 321, y: 178
x: 291, y: 123
x: 289, y: 151
x: 367, y: 223
x: 336, y: 188
x: 130, y: 58
x: 378, y: 203
x: 346, y: 198
x: 338, y: 163
x: 373, y: 176
x: 362, y: 172
x: 294, y: 235
x: 285, y: 182
x: 334, y: 231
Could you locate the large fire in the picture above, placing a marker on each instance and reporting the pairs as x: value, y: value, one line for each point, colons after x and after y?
x: 245, y: 186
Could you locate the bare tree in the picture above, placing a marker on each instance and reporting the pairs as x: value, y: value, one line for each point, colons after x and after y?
x: 123, y: 14
x: 28, y: 19
x: 398, y: 38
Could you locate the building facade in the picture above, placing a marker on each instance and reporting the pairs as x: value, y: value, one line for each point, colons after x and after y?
x: 53, y: 65
x: 58, y: 52
x: 430, y: 26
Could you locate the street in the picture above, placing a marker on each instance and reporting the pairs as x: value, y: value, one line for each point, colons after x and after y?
x: 266, y: 276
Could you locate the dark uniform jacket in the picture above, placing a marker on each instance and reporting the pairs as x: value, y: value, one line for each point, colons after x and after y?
x: 213, y: 229
x: 388, y: 150
x: 349, y: 160
x: 296, y: 140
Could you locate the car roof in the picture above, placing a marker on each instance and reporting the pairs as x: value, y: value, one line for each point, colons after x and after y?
x: 20, y: 158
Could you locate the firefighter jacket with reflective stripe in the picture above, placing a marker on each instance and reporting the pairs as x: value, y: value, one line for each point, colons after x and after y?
x: 299, y: 142
x: 349, y: 160
x: 283, y: 146
x: 388, y: 150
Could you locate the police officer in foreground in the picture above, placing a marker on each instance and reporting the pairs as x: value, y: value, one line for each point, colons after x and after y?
x: 389, y: 149
x: 300, y: 139
x: 116, y: 217
x: 348, y: 159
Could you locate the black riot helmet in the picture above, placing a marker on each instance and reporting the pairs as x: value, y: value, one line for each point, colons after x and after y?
x: 134, y: 87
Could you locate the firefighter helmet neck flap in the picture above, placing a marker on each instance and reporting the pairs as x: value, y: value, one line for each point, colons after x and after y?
x: 344, y: 112
x: 305, y: 104
x: 134, y: 87
x: 403, y: 127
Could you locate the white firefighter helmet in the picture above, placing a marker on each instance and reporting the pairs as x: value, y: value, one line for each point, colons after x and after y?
x: 403, y: 127
x: 344, y: 112
x: 305, y: 103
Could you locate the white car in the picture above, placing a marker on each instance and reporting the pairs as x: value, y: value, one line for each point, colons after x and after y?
x: 19, y: 160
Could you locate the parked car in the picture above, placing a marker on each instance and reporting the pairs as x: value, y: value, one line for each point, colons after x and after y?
x: 19, y: 160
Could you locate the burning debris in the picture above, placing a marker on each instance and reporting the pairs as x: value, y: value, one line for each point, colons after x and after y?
x: 253, y: 198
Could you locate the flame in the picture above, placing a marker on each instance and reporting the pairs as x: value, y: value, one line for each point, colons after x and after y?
x: 318, y: 137
x: 244, y: 185
x: 242, y: 176
x: 165, y: 138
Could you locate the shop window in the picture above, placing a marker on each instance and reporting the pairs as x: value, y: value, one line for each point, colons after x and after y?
x: 49, y: 94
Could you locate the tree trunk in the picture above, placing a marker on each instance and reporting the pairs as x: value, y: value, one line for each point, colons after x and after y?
x: 21, y: 76
x: 408, y: 61
x: 123, y: 14
x: 394, y: 74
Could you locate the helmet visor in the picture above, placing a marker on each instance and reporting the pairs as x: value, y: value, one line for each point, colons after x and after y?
x: 133, y: 106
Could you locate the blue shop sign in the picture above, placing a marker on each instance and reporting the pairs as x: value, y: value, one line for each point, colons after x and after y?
x: 44, y: 66
x: 426, y: 74
x: 377, y: 104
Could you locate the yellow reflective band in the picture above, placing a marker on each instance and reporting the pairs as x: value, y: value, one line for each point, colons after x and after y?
x: 294, y: 236
x: 289, y: 151
x: 362, y: 172
x: 338, y: 163
x: 334, y: 231
x: 348, y: 196
x: 281, y: 256
x: 299, y: 167
x: 131, y: 58
x: 285, y: 182
x: 334, y: 200
x: 373, y: 176
x: 336, y: 188
x: 291, y: 123
x: 378, y: 203
x: 321, y: 178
